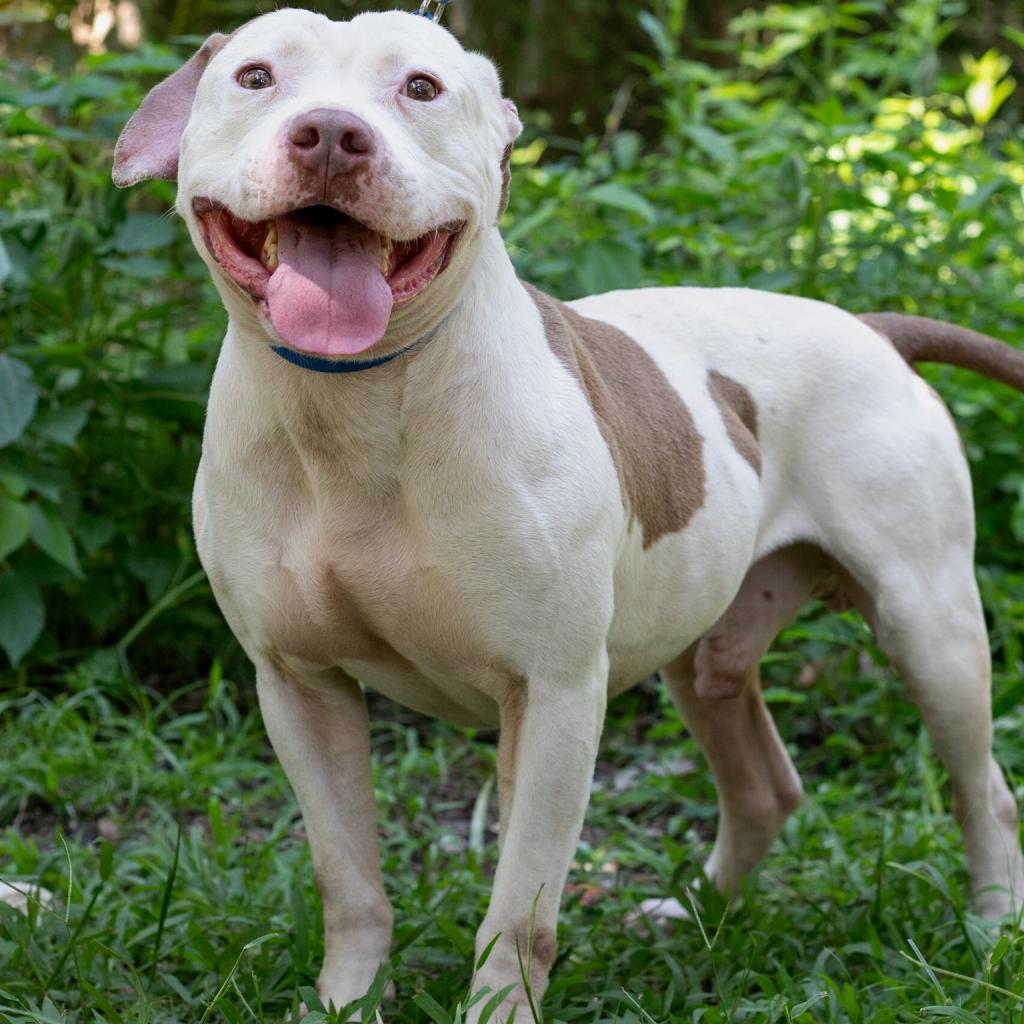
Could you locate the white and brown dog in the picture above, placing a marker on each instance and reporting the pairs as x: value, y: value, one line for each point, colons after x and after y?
x: 423, y: 476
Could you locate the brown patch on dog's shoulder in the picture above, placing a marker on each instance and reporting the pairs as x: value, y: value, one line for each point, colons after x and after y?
x: 739, y: 414
x: 653, y: 440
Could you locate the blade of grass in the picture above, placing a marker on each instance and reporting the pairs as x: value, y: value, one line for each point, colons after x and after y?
x: 165, y: 904
x: 226, y: 983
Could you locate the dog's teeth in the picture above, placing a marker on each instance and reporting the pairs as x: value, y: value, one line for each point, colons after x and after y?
x: 386, y: 249
x: 270, y: 248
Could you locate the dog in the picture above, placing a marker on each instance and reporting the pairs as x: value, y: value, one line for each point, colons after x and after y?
x: 422, y: 476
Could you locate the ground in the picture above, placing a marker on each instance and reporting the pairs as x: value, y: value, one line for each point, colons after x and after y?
x: 860, y: 913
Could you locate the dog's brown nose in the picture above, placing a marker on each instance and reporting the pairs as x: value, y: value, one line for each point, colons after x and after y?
x: 330, y: 141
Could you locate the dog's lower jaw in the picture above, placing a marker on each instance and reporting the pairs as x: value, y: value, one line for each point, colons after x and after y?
x: 418, y: 319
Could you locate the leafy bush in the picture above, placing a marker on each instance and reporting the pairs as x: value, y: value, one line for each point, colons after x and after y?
x: 837, y: 160
x: 110, y: 333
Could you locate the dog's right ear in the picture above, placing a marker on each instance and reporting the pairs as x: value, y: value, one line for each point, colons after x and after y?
x: 513, y: 126
x: 149, y: 144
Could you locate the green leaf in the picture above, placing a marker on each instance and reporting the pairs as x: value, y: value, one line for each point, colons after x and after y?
x: 145, y: 268
x: 1001, y: 948
x: 106, y: 859
x: 18, y: 398
x: 21, y: 616
x: 19, y: 123
x: 142, y: 232
x: 93, y: 532
x: 432, y: 1008
x: 713, y: 143
x: 64, y: 424
x: 6, y: 267
x: 654, y: 28
x: 14, y: 483
x: 527, y: 227
x: 606, y: 265
x: 311, y: 999
x: 492, y: 1004
x: 613, y: 194
x: 626, y: 149
x: 15, y: 521
x: 50, y: 533
x: 956, y: 1013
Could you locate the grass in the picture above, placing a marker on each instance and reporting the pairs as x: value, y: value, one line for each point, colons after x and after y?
x: 184, y: 890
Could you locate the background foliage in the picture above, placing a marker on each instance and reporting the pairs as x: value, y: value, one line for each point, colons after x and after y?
x: 839, y: 158
x: 866, y: 153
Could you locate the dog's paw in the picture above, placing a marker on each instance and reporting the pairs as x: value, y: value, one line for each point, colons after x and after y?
x: 336, y: 999
x: 659, y: 912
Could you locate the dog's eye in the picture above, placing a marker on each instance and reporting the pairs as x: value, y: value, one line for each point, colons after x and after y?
x: 420, y: 88
x: 255, y: 78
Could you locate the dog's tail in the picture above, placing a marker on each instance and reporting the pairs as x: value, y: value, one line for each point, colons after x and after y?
x: 920, y: 340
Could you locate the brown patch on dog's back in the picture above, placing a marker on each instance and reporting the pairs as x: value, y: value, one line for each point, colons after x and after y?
x: 653, y: 440
x: 739, y: 414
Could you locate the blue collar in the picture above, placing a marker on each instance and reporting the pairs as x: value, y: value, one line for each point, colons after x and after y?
x: 323, y: 365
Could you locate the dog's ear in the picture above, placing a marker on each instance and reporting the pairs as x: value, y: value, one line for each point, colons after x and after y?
x: 514, y: 126
x: 148, y: 146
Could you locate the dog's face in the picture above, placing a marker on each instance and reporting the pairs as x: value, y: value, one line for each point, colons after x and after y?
x: 334, y: 175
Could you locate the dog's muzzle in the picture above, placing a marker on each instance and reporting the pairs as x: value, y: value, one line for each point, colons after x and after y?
x: 325, y: 282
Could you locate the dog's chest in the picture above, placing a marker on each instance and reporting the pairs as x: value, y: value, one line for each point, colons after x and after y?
x: 333, y: 585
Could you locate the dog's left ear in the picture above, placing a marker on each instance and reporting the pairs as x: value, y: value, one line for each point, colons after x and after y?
x: 514, y: 126
x: 149, y: 144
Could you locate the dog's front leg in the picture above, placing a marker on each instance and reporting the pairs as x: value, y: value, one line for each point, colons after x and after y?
x: 549, y: 734
x: 319, y: 730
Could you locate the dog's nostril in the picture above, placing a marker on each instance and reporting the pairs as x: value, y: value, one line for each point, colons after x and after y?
x: 356, y: 141
x: 304, y: 136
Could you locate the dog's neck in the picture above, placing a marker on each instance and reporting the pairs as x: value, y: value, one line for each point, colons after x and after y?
x: 362, y: 425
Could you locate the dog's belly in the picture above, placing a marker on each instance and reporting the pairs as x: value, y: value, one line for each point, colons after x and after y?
x: 668, y: 595
x: 392, y: 676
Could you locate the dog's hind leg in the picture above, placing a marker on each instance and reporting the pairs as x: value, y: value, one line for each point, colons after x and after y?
x: 717, y: 690
x: 758, y: 786
x: 319, y: 730
x: 773, y: 591
x: 912, y: 558
x: 931, y: 626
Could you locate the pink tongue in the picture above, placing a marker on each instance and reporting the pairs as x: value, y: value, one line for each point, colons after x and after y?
x: 327, y: 295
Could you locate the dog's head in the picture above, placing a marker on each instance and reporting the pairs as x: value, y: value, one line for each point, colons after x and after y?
x: 337, y: 177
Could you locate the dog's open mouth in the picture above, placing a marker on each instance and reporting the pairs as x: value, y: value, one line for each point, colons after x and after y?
x: 326, y: 282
